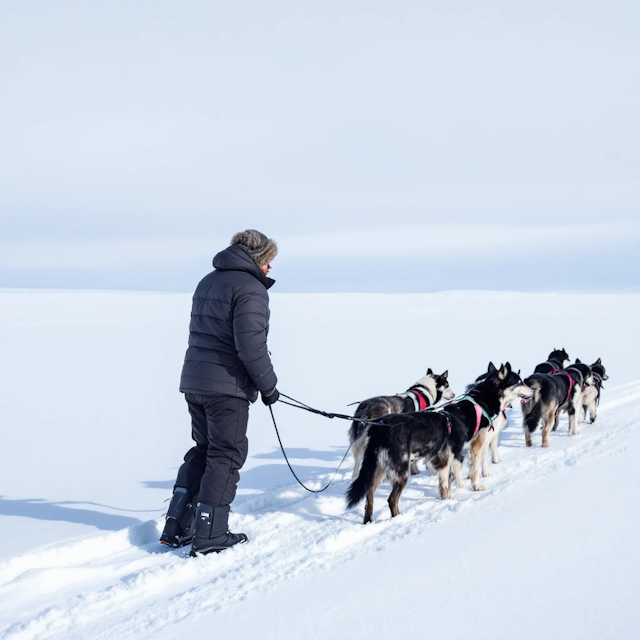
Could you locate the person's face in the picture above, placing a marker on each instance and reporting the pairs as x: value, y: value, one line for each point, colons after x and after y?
x: 265, y: 268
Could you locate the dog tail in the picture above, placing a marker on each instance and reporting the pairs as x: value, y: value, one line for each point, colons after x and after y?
x: 356, y: 430
x: 531, y: 411
x: 365, y: 479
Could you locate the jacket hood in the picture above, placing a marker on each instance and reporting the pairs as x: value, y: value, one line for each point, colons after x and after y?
x: 237, y: 258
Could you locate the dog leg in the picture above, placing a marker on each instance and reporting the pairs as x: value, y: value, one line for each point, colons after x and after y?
x: 368, y: 508
x: 548, y: 423
x: 476, y: 447
x: 414, y: 468
x: 394, y: 498
x: 574, y: 424
x: 527, y: 437
x: 556, y: 421
x: 485, y: 454
x: 456, y: 466
x: 495, y: 458
x: 443, y: 477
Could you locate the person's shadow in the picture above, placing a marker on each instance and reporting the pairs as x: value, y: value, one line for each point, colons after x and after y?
x: 65, y: 512
x: 269, y: 475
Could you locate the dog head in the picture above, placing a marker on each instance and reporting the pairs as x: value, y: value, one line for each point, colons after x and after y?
x: 511, y: 386
x: 437, y: 384
x: 598, y: 367
x: 561, y: 356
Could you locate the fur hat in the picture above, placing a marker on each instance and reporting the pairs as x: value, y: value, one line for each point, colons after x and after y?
x: 261, y: 249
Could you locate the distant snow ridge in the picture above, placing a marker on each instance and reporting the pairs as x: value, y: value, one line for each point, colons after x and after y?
x: 125, y: 584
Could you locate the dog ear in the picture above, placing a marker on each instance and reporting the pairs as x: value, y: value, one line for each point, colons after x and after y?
x: 508, y: 366
x: 578, y: 361
x: 519, y: 372
x: 491, y: 368
x: 429, y: 372
x: 503, y: 373
x: 599, y: 361
x: 445, y: 375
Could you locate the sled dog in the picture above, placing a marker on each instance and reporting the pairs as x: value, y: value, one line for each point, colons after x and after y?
x: 553, y: 393
x: 591, y: 395
x: 422, y: 395
x: 438, y: 436
x: 499, y: 423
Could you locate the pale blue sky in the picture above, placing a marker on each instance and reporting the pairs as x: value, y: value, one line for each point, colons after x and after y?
x: 385, y: 145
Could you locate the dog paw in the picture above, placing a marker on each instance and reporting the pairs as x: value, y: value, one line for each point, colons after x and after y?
x: 545, y: 443
x: 479, y: 487
x: 485, y: 474
x: 496, y: 460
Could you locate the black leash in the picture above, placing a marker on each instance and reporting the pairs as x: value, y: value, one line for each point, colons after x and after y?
x: 326, y: 414
x: 289, y: 464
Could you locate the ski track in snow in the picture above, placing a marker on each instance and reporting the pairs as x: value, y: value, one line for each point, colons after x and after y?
x: 125, y: 584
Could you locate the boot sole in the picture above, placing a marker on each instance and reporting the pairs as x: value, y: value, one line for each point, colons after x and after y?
x: 194, y: 553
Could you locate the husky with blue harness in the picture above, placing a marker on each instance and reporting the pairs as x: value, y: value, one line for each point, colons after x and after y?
x: 438, y: 435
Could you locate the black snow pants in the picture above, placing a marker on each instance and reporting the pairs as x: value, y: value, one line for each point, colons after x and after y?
x: 219, y: 428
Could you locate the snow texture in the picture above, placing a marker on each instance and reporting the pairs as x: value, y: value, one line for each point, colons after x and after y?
x: 548, y: 550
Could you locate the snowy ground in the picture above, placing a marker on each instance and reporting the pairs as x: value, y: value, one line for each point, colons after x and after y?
x: 93, y: 430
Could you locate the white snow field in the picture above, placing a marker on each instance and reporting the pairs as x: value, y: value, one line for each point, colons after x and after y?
x: 93, y: 430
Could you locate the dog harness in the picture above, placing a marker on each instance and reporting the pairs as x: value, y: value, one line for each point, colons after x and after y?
x: 554, y: 369
x: 421, y: 401
x: 443, y: 410
x: 571, y: 383
x: 480, y: 412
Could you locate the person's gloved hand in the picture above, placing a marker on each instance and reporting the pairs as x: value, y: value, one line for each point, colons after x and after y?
x: 271, y: 398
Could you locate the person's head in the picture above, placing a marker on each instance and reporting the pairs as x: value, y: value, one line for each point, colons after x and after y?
x: 261, y: 249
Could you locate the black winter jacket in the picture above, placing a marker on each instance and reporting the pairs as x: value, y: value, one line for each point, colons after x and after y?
x: 227, y: 352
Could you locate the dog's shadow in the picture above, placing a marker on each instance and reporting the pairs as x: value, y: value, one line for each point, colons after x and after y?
x: 512, y: 436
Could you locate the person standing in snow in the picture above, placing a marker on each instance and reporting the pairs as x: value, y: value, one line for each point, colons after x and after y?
x: 226, y: 365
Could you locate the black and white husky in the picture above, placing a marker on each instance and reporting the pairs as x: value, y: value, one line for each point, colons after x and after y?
x: 422, y: 395
x: 591, y: 394
x: 555, y: 392
x: 493, y: 435
x: 558, y: 359
x: 439, y: 436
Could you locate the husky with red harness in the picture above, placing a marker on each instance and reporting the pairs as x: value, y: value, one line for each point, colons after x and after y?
x: 425, y: 393
x: 555, y: 392
x: 439, y: 436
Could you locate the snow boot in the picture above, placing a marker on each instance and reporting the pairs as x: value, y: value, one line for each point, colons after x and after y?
x: 178, y: 528
x: 212, y: 531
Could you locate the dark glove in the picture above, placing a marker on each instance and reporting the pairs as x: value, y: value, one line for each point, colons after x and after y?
x: 271, y: 398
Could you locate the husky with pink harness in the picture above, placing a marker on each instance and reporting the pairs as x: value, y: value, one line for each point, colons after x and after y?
x: 438, y: 435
